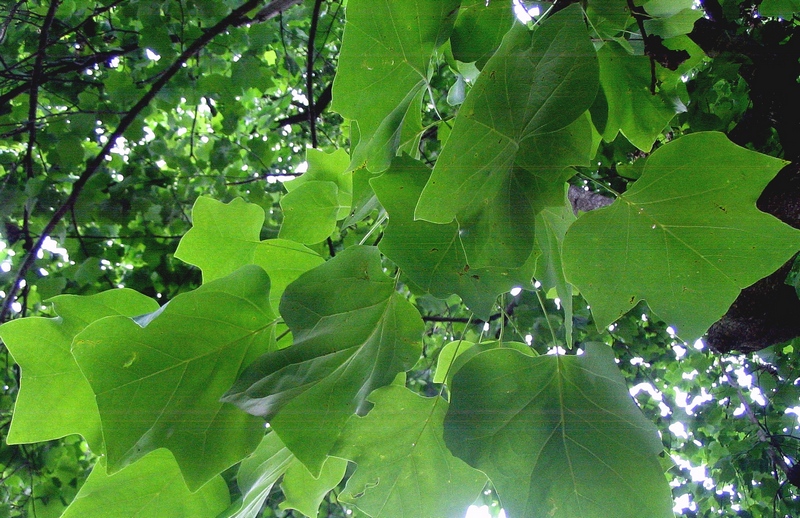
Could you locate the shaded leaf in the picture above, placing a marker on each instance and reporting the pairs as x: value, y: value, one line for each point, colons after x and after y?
x: 632, y: 107
x: 385, y: 58
x: 479, y: 29
x: 41, y: 347
x: 432, y: 255
x: 158, y: 379
x: 403, y: 463
x: 352, y: 334
x: 686, y: 237
x: 536, y: 83
x: 151, y: 487
x: 551, y: 227
x: 558, y: 436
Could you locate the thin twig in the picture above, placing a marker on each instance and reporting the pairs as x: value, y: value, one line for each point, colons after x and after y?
x: 310, y: 55
x: 93, y: 166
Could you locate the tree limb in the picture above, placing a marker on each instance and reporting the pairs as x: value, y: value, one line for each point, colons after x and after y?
x: 92, y: 167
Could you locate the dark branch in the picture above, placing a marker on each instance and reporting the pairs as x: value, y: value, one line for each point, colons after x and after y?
x: 310, y: 55
x: 92, y: 167
x: 319, y: 106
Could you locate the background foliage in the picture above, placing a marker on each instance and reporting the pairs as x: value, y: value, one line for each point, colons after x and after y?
x: 354, y: 221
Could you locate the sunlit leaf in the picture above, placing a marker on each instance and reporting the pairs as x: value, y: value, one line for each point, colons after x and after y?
x: 403, y: 463
x: 158, y: 379
x: 225, y: 237
x: 304, y: 492
x: 152, y: 486
x: 385, y: 58
x: 41, y: 347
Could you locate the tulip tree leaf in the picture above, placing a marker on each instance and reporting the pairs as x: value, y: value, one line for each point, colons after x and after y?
x: 310, y: 212
x: 158, y: 380
x: 352, y: 334
x: 551, y: 227
x: 151, y: 487
x: 479, y: 30
x: 257, y: 474
x: 402, y: 458
x: 632, y: 107
x: 41, y: 347
x: 226, y: 236
x: 328, y: 167
x: 304, y: 492
x: 537, y: 83
x: 432, y: 255
x: 558, y: 436
x: 686, y: 237
x: 383, y: 65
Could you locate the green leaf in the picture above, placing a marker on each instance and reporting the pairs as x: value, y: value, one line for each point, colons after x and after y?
x: 479, y: 29
x: 432, y: 255
x: 779, y: 8
x: 310, y: 212
x: 558, y: 436
x: 158, y: 379
x: 455, y: 354
x: 41, y: 347
x: 225, y: 237
x: 352, y: 334
x: 403, y: 463
x: 609, y: 17
x: 257, y: 474
x: 686, y: 237
x: 385, y: 59
x: 304, y: 492
x: 328, y: 167
x: 151, y: 487
x: 551, y: 227
x: 632, y: 107
x: 536, y: 84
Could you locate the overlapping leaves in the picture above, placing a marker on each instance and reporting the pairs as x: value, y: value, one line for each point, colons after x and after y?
x: 158, y: 379
x: 432, y: 255
x: 383, y: 65
x: 226, y: 236
x: 41, y: 347
x: 537, y: 83
x: 352, y: 334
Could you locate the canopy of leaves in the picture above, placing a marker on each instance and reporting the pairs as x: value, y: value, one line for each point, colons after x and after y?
x: 357, y: 258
